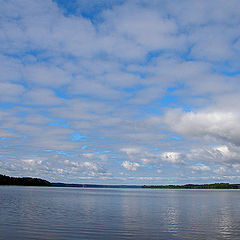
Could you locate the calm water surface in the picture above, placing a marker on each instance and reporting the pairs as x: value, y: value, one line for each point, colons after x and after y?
x: 76, y: 213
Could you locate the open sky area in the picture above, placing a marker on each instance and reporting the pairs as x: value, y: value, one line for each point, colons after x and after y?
x: 120, y: 91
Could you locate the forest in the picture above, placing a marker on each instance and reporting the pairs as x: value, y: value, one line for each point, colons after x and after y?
x: 23, y: 181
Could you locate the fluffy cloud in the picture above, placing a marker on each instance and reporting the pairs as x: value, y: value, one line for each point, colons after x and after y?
x: 10, y: 92
x: 220, y: 125
x: 150, y: 158
x: 32, y: 161
x: 220, y: 170
x: 200, y: 168
x: 85, y: 165
x: 172, y: 157
x: 131, y: 166
x: 90, y: 166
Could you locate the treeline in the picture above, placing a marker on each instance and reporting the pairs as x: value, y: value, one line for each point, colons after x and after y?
x: 197, y: 186
x: 24, y: 181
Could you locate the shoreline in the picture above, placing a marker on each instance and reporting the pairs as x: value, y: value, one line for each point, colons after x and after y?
x: 28, y: 181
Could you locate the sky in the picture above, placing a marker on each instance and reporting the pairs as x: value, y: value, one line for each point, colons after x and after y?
x: 120, y: 91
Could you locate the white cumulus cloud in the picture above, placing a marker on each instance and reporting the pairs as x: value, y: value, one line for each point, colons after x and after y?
x: 219, y: 125
x: 131, y: 166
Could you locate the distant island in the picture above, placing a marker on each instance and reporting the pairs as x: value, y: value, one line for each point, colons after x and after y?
x: 196, y: 186
x: 28, y: 181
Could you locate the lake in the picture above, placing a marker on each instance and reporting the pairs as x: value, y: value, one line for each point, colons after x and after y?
x: 84, y: 213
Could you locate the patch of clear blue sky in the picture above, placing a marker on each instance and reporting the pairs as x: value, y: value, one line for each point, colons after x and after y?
x: 169, y: 100
x: 152, y: 55
x: 55, y: 121
x: 178, y: 86
x: 59, y: 120
x: 6, y: 105
x: 171, y: 136
x: 58, y: 152
x: 106, y: 151
x: 58, y: 124
x: 87, y: 8
x: 231, y: 74
x: 20, y: 114
x: 61, y: 93
x: 10, y: 130
x: 227, y: 68
x: 78, y: 137
x: 199, y: 164
x: 175, y: 137
x: 62, y: 153
x: 3, y: 138
x: 137, y: 87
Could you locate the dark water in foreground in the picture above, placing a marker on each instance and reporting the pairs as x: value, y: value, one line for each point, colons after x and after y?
x: 75, y: 213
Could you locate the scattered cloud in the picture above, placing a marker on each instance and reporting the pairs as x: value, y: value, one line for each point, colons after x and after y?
x: 220, y: 170
x: 217, y: 154
x: 131, y: 166
x: 200, y: 168
x: 172, y: 157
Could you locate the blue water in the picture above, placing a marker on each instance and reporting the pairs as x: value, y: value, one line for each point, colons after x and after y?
x: 80, y: 213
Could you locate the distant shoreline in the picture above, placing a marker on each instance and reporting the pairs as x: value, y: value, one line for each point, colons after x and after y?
x: 195, y: 186
x: 28, y: 181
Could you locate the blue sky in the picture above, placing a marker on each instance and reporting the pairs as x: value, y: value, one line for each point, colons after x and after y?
x: 120, y: 92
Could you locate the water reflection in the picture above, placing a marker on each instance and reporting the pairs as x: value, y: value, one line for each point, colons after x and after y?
x: 71, y: 213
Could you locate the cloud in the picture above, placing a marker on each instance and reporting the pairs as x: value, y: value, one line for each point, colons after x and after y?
x: 220, y: 170
x: 200, y: 168
x: 130, y: 151
x: 94, y: 88
x: 150, y: 158
x: 45, y: 75
x: 219, y: 125
x: 217, y: 154
x: 10, y: 92
x: 32, y: 161
x: 41, y: 96
x: 85, y: 165
x: 144, y: 26
x: 88, y: 155
x: 172, y: 157
x: 90, y: 166
x: 130, y: 166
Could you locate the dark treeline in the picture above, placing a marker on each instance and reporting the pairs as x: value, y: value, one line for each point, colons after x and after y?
x: 197, y: 186
x: 25, y: 181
